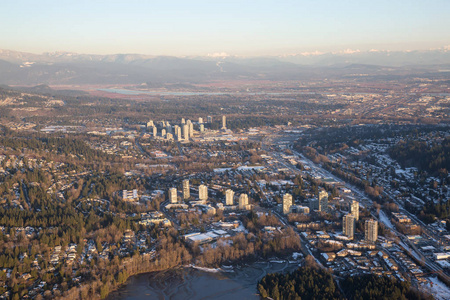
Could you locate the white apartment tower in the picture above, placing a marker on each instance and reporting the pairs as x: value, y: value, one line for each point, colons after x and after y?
x: 186, y: 132
x: 191, y: 130
x: 173, y: 197
x: 200, y: 120
x: 323, y: 201
x: 229, y: 197
x: 186, y: 189
x: 224, y: 122
x: 287, y: 203
x: 371, y: 231
x: 354, y: 209
x: 177, y: 130
x: 348, y: 225
x: 243, y: 201
x: 203, y: 192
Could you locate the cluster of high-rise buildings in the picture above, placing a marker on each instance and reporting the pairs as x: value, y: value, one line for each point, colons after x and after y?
x: 186, y: 189
x: 320, y: 203
x: 182, y: 132
x: 242, y: 202
x: 203, y: 197
x: 349, y: 221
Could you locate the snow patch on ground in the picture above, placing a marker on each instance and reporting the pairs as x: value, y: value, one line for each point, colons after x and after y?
x: 439, y: 290
x: 297, y: 255
x: 384, y: 219
x: 241, y: 228
x: 211, y: 270
x: 278, y: 261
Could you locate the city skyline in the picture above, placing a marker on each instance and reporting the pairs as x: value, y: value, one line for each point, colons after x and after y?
x: 233, y: 28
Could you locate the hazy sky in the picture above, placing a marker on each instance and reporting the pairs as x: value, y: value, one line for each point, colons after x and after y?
x: 241, y: 27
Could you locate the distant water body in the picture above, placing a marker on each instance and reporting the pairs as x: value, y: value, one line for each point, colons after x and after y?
x: 136, y: 92
x: 196, y: 284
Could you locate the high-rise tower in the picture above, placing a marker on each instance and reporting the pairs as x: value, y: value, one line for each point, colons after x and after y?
x: 323, y: 201
x: 371, y: 231
x: 348, y: 225
x: 224, y: 122
x: 186, y: 189
x: 173, y: 197
x: 186, y: 132
x: 287, y: 203
x: 243, y: 201
x: 229, y: 197
x: 354, y: 209
x: 203, y: 192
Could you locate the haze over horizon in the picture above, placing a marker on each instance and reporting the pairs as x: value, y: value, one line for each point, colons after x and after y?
x: 253, y: 28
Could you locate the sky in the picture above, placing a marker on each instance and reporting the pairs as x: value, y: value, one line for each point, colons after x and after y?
x: 244, y: 27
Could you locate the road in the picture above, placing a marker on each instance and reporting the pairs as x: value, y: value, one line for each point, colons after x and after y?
x: 138, y: 145
x: 169, y: 216
x: 284, y: 221
x: 180, y: 149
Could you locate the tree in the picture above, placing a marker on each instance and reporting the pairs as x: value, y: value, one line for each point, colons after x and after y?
x: 104, y: 291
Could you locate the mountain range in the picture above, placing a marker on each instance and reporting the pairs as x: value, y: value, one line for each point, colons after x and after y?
x: 20, y: 68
